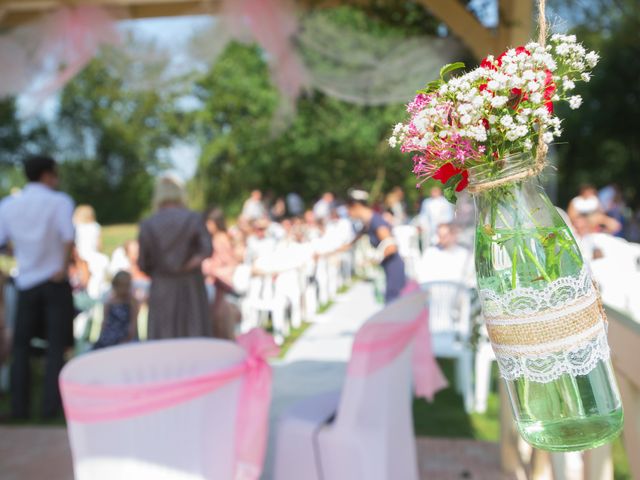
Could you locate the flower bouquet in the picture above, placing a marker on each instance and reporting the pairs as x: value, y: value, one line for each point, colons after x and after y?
x: 487, y: 131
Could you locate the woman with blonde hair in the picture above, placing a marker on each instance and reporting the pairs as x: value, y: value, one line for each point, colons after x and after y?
x: 173, y: 243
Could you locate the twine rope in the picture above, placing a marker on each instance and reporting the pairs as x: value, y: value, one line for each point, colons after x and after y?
x: 541, y: 151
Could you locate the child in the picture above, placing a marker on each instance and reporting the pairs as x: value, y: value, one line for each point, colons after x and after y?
x: 120, y: 313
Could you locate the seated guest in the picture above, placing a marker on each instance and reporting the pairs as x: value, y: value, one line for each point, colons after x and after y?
x: 447, y: 260
x: 586, y: 203
x: 218, y: 270
x: 120, y: 313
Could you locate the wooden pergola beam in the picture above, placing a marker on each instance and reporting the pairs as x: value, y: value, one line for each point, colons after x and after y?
x: 479, y: 39
x: 514, y: 25
x: 18, y: 12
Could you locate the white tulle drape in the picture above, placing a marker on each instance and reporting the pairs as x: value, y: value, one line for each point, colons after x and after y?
x: 302, y: 51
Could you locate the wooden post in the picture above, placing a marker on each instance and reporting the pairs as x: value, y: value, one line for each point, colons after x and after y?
x: 479, y: 39
x: 516, y: 22
x: 598, y: 463
x: 631, y: 434
x: 624, y: 340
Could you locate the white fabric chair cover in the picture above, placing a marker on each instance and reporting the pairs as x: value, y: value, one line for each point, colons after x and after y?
x: 190, y: 441
x: 372, y: 435
x: 450, y: 324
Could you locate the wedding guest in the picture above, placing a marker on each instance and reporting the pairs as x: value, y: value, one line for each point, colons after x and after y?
x: 379, y: 232
x: 253, y: 207
x: 295, y: 205
x: 218, y: 270
x: 447, y: 260
x: 88, y: 244
x: 120, y: 313
x: 279, y: 210
x: 394, y: 202
x: 322, y: 207
x: 38, y: 224
x: 586, y: 203
x: 88, y: 231
x: 173, y: 243
x: 4, y: 342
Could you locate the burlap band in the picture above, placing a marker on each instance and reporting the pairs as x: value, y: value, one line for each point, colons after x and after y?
x: 550, y: 330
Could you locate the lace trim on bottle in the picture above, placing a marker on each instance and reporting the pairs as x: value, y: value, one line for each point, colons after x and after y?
x: 529, y: 301
x: 548, y: 367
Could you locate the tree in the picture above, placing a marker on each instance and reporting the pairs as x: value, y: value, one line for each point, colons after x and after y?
x: 328, y: 145
x: 18, y: 139
x: 112, y: 136
x: 602, y: 144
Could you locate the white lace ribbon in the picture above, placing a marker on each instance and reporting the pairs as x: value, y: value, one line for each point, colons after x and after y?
x: 542, y: 334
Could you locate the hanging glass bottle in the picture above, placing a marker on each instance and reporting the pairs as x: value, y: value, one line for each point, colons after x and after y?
x: 542, y: 311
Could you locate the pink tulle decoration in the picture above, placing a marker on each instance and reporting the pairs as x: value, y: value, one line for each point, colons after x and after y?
x: 41, y: 57
x: 271, y: 23
x: 72, y: 37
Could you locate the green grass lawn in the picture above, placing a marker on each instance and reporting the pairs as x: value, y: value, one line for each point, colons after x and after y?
x: 113, y: 236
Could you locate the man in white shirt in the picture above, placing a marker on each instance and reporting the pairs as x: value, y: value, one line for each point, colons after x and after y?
x: 446, y: 261
x: 37, y: 224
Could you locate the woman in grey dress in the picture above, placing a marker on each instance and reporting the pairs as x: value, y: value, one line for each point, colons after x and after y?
x: 173, y: 243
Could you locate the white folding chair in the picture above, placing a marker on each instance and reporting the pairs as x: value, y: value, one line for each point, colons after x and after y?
x: 263, y: 299
x: 449, y: 306
x: 193, y: 440
x: 364, y: 433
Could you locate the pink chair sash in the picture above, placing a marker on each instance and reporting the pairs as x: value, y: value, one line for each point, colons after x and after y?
x: 378, y: 344
x: 103, y: 403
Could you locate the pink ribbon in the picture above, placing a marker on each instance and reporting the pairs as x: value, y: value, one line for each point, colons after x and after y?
x: 102, y: 403
x: 378, y: 344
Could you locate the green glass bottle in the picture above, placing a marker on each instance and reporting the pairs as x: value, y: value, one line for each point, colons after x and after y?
x: 542, y: 312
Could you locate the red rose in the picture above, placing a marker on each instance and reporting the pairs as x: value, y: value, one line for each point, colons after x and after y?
x: 448, y: 170
x: 522, y: 50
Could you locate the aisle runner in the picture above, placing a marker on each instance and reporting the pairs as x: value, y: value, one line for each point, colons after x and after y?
x: 316, y: 363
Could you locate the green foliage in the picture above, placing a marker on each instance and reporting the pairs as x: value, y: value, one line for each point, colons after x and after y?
x: 602, y: 142
x: 233, y: 126
x: 17, y: 140
x: 112, y: 138
x: 329, y: 144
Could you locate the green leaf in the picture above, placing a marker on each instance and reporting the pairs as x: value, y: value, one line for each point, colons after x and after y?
x: 431, y: 86
x: 450, y: 67
x: 449, y: 188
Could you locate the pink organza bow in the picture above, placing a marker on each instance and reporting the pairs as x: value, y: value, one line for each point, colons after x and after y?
x: 103, y: 403
x: 378, y: 344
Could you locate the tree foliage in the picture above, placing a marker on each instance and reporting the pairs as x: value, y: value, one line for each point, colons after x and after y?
x: 602, y: 143
x: 111, y: 137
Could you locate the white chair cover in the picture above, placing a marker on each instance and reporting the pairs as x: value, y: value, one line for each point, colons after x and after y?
x: 450, y: 324
x: 192, y: 440
x: 372, y: 435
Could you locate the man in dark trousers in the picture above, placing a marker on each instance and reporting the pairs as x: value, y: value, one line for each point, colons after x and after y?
x: 37, y: 224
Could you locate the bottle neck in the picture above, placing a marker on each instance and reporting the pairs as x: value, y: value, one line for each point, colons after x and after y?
x: 502, y: 172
